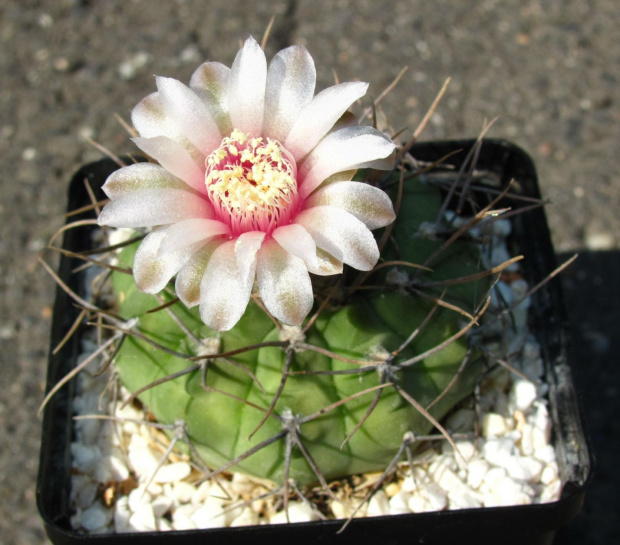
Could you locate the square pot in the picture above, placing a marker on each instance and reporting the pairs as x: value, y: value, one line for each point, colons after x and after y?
x: 529, y: 524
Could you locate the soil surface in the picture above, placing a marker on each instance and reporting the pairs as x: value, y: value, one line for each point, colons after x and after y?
x: 549, y: 71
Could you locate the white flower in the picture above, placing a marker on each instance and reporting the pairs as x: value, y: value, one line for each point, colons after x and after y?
x: 253, y: 183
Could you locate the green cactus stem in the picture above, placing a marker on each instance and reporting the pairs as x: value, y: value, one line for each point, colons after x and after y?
x: 362, y: 372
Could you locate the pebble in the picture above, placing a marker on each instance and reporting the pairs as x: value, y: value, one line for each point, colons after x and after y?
x: 7, y: 332
x: 500, y: 255
x: 501, y: 296
x: 242, y: 484
x: 522, y: 395
x: 532, y: 368
x: 599, y: 241
x: 29, y: 154
x: 201, y: 493
x: 117, y: 467
x: 184, y: 492
x: 526, y: 445
x: 190, y: 54
x: 297, y: 512
x: 507, y: 491
x: 181, y: 518
x: 418, y: 504
x: 95, y: 517
x: 497, y: 450
x: 545, y: 454
x: 210, y: 515
x: 171, y: 473
x: 394, y: 488
x: 379, y: 504
x: 83, y: 491
x: 155, y: 489
x: 247, y: 518
x: 427, y: 230
x: 464, y: 498
x: 339, y: 510
x: 90, y: 430
x: 102, y: 472
x: 448, y: 479
x: 409, y: 484
x: 440, y: 465
x: 542, y: 422
x: 122, y: 514
x: 143, y: 519
x: 466, y: 449
x: 85, y: 457
x: 399, y: 503
x: 476, y: 470
x: 521, y: 468
x: 436, y: 496
x: 138, y: 497
x: 551, y: 492
x: 549, y: 474
x: 502, y: 228
x: 455, y: 220
x: 129, y: 69
x: 162, y: 505
x: 494, y: 425
x: 141, y: 457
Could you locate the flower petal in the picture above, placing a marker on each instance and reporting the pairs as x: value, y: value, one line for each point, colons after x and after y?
x: 342, y: 235
x: 344, y: 149
x: 291, y: 78
x: 382, y: 163
x: 150, y: 119
x: 138, y: 177
x: 246, y: 247
x: 246, y: 89
x: 189, y: 278
x: 210, y: 82
x: 327, y: 263
x: 188, y: 232
x: 367, y: 203
x: 343, y: 176
x: 318, y: 117
x: 347, y: 119
x: 151, y: 273
x: 149, y: 207
x: 284, y: 283
x: 175, y: 159
x: 190, y: 114
x: 297, y: 241
x: 224, y: 294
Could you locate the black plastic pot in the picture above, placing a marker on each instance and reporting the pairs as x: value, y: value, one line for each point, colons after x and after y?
x: 527, y: 525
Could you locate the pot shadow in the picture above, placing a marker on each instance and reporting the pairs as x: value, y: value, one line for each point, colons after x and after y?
x: 591, y: 288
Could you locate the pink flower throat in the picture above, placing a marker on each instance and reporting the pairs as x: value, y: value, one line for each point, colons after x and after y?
x: 252, y: 183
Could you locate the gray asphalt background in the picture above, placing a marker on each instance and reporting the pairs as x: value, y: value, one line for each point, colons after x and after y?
x: 549, y: 70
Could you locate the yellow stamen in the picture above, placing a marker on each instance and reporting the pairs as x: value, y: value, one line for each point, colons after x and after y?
x: 252, y: 182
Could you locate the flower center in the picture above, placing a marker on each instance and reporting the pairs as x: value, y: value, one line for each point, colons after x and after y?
x: 251, y: 183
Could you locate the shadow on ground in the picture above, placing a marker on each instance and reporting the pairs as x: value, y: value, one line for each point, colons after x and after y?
x: 592, y: 295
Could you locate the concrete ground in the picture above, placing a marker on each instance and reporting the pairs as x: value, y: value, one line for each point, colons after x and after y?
x: 549, y: 69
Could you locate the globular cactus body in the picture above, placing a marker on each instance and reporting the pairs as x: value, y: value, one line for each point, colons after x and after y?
x: 364, y: 325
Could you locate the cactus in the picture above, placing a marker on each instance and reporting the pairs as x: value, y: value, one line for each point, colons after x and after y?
x: 326, y: 399
x: 250, y: 363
